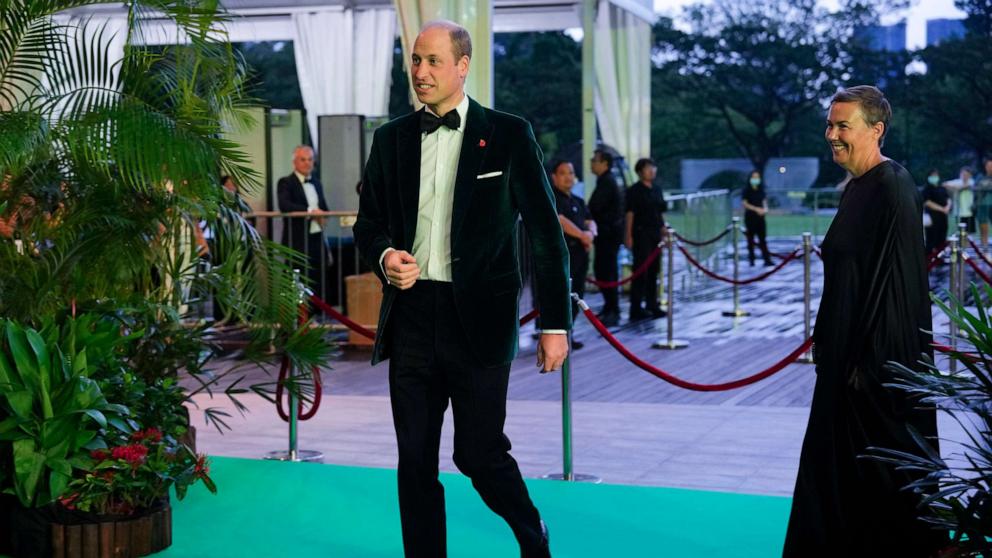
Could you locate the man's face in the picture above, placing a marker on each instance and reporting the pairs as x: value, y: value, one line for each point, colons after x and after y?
x: 564, y: 177
x: 303, y: 161
x: 851, y: 139
x: 648, y: 173
x: 988, y: 167
x: 598, y: 166
x: 438, y: 79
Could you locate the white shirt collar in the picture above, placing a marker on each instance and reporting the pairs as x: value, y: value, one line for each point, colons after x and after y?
x: 301, y: 177
x: 462, y: 109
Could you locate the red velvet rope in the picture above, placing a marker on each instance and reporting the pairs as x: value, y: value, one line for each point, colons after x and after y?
x: 318, y: 385
x: 978, y: 251
x: 353, y: 326
x: 979, y: 271
x: 765, y: 275
x: 970, y: 357
x: 705, y: 242
x: 365, y: 332
x: 751, y: 243
x: 637, y: 272
x: 683, y: 383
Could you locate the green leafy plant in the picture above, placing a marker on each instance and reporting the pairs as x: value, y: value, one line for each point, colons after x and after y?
x: 51, y: 408
x: 108, y: 165
x: 136, y: 474
x: 957, y: 493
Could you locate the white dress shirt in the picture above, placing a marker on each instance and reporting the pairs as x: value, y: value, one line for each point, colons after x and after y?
x: 313, y: 202
x: 439, y: 153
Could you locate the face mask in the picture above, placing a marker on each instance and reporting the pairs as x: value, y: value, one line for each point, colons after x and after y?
x: 934, y: 180
x: 755, y: 182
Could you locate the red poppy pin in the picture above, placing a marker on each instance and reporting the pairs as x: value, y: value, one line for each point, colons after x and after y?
x: 482, y: 143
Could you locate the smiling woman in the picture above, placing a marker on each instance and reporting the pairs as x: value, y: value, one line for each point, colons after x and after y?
x: 874, y: 310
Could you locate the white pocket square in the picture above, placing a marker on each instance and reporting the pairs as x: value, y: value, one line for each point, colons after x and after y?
x: 489, y: 175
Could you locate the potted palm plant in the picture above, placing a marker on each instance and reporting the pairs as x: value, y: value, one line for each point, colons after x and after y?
x: 106, y: 167
x: 957, y: 490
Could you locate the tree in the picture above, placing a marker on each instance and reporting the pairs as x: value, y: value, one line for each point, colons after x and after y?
x: 762, y: 69
x: 538, y: 76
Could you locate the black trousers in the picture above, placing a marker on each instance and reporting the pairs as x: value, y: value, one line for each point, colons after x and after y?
x: 605, y: 267
x: 578, y: 265
x: 430, y: 364
x: 645, y: 288
x: 754, y: 231
x: 936, y: 233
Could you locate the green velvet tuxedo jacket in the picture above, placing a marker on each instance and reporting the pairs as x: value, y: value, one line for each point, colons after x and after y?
x: 499, y: 179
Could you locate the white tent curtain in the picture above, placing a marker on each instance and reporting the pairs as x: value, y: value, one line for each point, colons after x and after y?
x: 476, y: 16
x: 343, y: 61
x: 623, y: 80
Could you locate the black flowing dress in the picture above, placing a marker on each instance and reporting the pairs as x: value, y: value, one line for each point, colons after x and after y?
x: 875, y: 308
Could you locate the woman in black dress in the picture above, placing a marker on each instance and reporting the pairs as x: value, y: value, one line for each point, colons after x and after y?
x: 874, y: 309
x: 937, y: 204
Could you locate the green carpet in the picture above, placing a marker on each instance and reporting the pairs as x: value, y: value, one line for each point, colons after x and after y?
x: 273, y: 509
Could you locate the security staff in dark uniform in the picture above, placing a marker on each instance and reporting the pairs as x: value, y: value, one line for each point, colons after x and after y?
x: 644, y: 223
x: 606, y: 206
x: 578, y: 226
x: 755, y: 203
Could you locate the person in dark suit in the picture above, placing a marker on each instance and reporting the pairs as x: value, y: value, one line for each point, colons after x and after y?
x: 442, y: 192
x: 299, y: 191
x: 607, y: 208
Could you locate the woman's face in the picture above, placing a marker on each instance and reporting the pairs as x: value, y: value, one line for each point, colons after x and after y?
x: 853, y: 142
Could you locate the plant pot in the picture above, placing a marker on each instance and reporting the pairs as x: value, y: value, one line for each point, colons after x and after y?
x: 51, y: 532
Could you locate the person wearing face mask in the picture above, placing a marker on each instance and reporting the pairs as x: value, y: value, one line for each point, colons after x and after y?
x: 937, y: 204
x: 962, y: 192
x: 983, y: 201
x: 755, y: 203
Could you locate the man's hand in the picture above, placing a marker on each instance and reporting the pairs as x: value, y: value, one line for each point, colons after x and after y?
x: 401, y: 269
x: 552, y: 349
x: 587, y: 238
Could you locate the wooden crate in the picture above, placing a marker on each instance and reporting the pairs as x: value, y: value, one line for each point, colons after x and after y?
x: 364, y: 294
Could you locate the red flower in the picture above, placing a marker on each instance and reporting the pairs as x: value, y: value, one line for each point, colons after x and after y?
x: 202, y: 467
x: 152, y: 435
x: 482, y: 143
x: 100, y: 454
x: 69, y: 502
x: 134, y: 454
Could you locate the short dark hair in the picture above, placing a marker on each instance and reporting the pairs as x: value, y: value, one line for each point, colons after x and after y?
x: 643, y: 162
x: 557, y: 163
x: 874, y: 106
x: 604, y: 157
x: 224, y: 178
x: 461, y: 41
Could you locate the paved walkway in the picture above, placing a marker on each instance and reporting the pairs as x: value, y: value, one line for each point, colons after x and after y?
x: 629, y: 427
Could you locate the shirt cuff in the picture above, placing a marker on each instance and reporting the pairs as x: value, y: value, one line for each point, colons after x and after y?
x: 553, y: 331
x: 383, y: 257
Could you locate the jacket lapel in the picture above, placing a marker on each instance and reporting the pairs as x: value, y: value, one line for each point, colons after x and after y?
x: 408, y: 172
x: 478, y: 131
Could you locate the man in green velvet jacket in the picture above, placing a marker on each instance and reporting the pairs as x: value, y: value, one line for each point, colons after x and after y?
x: 442, y: 193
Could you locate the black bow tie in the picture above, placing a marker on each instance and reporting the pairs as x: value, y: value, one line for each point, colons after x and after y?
x: 430, y: 123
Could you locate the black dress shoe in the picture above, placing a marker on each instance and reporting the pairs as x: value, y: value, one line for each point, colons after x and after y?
x: 657, y: 312
x: 609, y: 318
x: 576, y: 344
x: 638, y: 315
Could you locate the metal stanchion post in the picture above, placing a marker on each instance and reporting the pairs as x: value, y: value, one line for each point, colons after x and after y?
x: 956, y: 270
x: 807, y: 357
x: 662, y: 293
x: 737, y: 312
x: 293, y: 453
x: 567, y: 473
x: 670, y: 343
